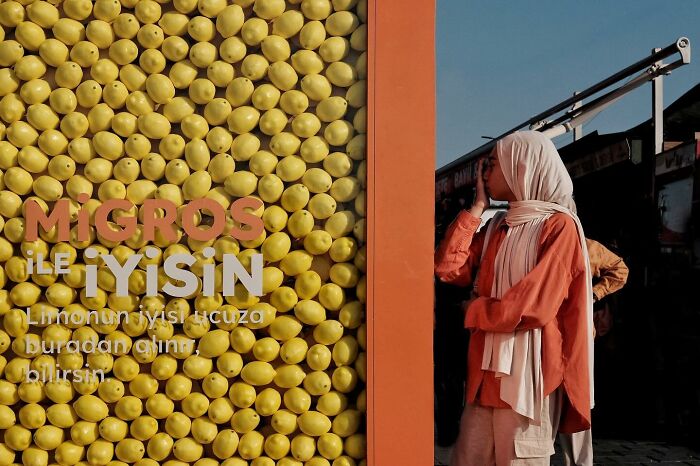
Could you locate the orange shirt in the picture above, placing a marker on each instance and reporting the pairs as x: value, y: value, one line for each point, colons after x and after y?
x: 551, y: 297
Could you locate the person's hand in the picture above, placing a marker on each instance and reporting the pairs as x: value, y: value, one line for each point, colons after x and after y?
x: 481, y: 199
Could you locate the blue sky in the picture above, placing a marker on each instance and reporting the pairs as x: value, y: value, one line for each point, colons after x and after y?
x: 500, y: 62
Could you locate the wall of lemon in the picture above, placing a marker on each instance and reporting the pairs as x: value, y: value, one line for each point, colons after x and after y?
x: 190, y: 99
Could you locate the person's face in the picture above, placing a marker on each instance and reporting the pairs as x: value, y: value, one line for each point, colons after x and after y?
x: 495, y: 181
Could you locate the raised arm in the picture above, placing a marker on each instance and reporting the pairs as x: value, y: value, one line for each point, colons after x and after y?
x: 535, y: 300
x: 457, y: 257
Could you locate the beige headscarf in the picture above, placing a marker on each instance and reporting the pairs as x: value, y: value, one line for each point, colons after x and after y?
x: 538, y: 178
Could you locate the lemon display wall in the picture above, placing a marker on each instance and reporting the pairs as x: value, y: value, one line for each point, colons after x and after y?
x: 151, y: 153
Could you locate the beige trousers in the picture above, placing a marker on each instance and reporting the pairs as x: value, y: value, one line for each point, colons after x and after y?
x: 577, y: 448
x: 501, y: 437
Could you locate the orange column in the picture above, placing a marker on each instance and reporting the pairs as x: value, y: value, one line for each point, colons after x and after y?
x: 401, y: 167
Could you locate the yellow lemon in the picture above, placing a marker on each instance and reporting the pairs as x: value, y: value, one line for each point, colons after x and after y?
x: 312, y: 34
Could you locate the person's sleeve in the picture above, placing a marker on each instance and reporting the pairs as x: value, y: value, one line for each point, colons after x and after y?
x: 535, y: 300
x: 457, y: 257
x: 613, y: 273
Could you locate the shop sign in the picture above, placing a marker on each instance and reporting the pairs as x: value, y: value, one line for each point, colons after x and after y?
x: 678, y: 157
x: 600, y: 159
x: 455, y: 179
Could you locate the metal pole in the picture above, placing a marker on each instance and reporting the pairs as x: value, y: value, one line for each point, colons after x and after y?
x: 681, y: 46
x: 591, y: 109
x: 657, y: 96
x: 578, y: 130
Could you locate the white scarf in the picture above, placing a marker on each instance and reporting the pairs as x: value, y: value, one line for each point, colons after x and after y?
x: 539, y: 180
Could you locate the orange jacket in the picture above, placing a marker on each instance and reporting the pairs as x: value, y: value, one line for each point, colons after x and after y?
x: 550, y: 297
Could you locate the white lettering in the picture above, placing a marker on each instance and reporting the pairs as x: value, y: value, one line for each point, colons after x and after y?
x: 61, y: 263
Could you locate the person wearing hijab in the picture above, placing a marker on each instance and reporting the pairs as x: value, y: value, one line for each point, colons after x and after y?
x: 530, y: 358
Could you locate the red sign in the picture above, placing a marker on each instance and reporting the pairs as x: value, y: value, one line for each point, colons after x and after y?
x: 453, y: 180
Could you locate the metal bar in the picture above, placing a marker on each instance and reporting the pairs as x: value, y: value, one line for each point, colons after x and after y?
x: 682, y: 46
x: 577, y: 122
x: 657, y: 113
x: 614, y: 94
x: 578, y: 129
x: 554, y: 128
x: 591, y: 109
x: 585, y: 112
x: 676, y: 47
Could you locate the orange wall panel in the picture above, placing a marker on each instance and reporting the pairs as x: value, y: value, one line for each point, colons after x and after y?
x: 401, y: 165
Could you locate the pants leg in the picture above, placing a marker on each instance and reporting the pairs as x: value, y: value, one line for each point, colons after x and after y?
x: 577, y: 448
x: 474, y: 445
x: 519, y: 443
